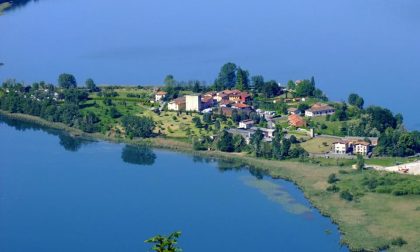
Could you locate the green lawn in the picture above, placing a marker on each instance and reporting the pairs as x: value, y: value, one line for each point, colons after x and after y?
x: 318, y: 145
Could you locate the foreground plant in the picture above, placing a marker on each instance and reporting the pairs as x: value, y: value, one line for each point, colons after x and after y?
x: 165, y: 243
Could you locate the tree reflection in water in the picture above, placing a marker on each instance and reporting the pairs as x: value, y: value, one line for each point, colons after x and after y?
x: 139, y: 155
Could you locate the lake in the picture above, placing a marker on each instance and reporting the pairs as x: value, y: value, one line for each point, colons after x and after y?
x: 59, y: 193
x: 369, y: 47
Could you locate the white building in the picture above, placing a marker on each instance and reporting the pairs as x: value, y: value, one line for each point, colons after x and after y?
x: 361, y: 148
x: 246, y: 124
x: 193, y: 103
x: 177, y: 105
x: 160, y: 96
x: 319, y: 109
x: 340, y: 147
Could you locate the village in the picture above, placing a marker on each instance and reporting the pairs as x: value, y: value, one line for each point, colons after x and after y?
x: 230, y: 102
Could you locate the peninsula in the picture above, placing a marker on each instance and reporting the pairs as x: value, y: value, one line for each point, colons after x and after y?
x: 291, y: 131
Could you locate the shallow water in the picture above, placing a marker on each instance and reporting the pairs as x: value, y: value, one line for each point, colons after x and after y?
x: 369, y: 47
x: 58, y: 193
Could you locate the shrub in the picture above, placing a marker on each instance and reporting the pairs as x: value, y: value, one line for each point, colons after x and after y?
x: 333, y: 188
x: 346, y: 195
x: 332, y: 178
x: 399, y: 241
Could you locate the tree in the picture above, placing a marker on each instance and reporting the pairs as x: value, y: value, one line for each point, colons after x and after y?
x: 360, y: 165
x: 227, y: 77
x: 381, y: 118
x: 356, y: 100
x: 242, y: 79
x: 90, y: 85
x: 225, y: 142
x: 75, y: 96
x: 271, y: 89
x: 256, y: 140
x: 169, y: 87
x: 165, y: 243
x: 305, y: 88
x: 291, y: 85
x: 238, y: 143
x: 138, y: 126
x: 67, y: 81
x: 257, y: 83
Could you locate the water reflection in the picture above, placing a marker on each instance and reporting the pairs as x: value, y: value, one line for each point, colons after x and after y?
x: 232, y: 165
x: 139, y: 155
x: 69, y: 142
x: 279, y: 195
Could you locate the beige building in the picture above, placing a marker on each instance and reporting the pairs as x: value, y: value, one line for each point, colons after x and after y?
x: 177, y: 105
x: 361, y: 148
x: 193, y: 102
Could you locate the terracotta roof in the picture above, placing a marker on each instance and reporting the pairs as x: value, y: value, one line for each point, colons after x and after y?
x: 320, y: 107
x: 161, y: 93
x: 296, y: 120
x: 240, y: 106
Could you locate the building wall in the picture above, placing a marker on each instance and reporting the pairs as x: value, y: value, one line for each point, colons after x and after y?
x: 193, y: 103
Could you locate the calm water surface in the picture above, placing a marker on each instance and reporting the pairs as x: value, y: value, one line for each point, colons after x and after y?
x: 367, y: 46
x: 58, y: 193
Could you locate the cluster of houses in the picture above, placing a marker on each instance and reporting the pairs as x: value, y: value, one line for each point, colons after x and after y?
x: 228, y: 100
x: 355, y: 145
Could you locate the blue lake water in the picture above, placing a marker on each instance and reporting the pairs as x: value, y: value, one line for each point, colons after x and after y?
x: 369, y: 47
x: 58, y: 193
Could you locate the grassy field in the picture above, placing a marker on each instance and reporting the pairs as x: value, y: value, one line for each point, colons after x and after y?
x: 369, y: 223
x: 319, y: 145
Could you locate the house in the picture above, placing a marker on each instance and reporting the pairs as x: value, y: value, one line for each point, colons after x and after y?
x: 293, y: 111
x: 246, y: 124
x: 296, y: 121
x: 160, y: 95
x: 240, y: 106
x: 226, y: 111
x: 207, y: 102
x: 268, y: 133
x: 319, y: 109
x: 361, y: 148
x: 193, y: 102
x: 372, y: 140
x: 178, y: 104
x: 340, y: 147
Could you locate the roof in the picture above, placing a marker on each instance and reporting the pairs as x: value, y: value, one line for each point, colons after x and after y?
x: 241, y: 106
x: 249, y: 121
x: 161, y: 93
x: 207, y: 99
x: 179, y: 100
x: 362, y: 143
x: 373, y: 140
x: 320, y: 107
x: 296, y: 120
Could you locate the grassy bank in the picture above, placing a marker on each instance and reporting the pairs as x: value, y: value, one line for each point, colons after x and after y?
x: 369, y: 222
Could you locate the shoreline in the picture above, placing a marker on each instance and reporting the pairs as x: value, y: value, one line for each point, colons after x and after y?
x: 309, y: 178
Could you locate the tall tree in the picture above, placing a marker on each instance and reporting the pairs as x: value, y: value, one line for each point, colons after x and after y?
x: 257, y: 83
x: 67, y: 81
x: 227, y: 77
x: 90, y: 85
x: 242, y: 79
